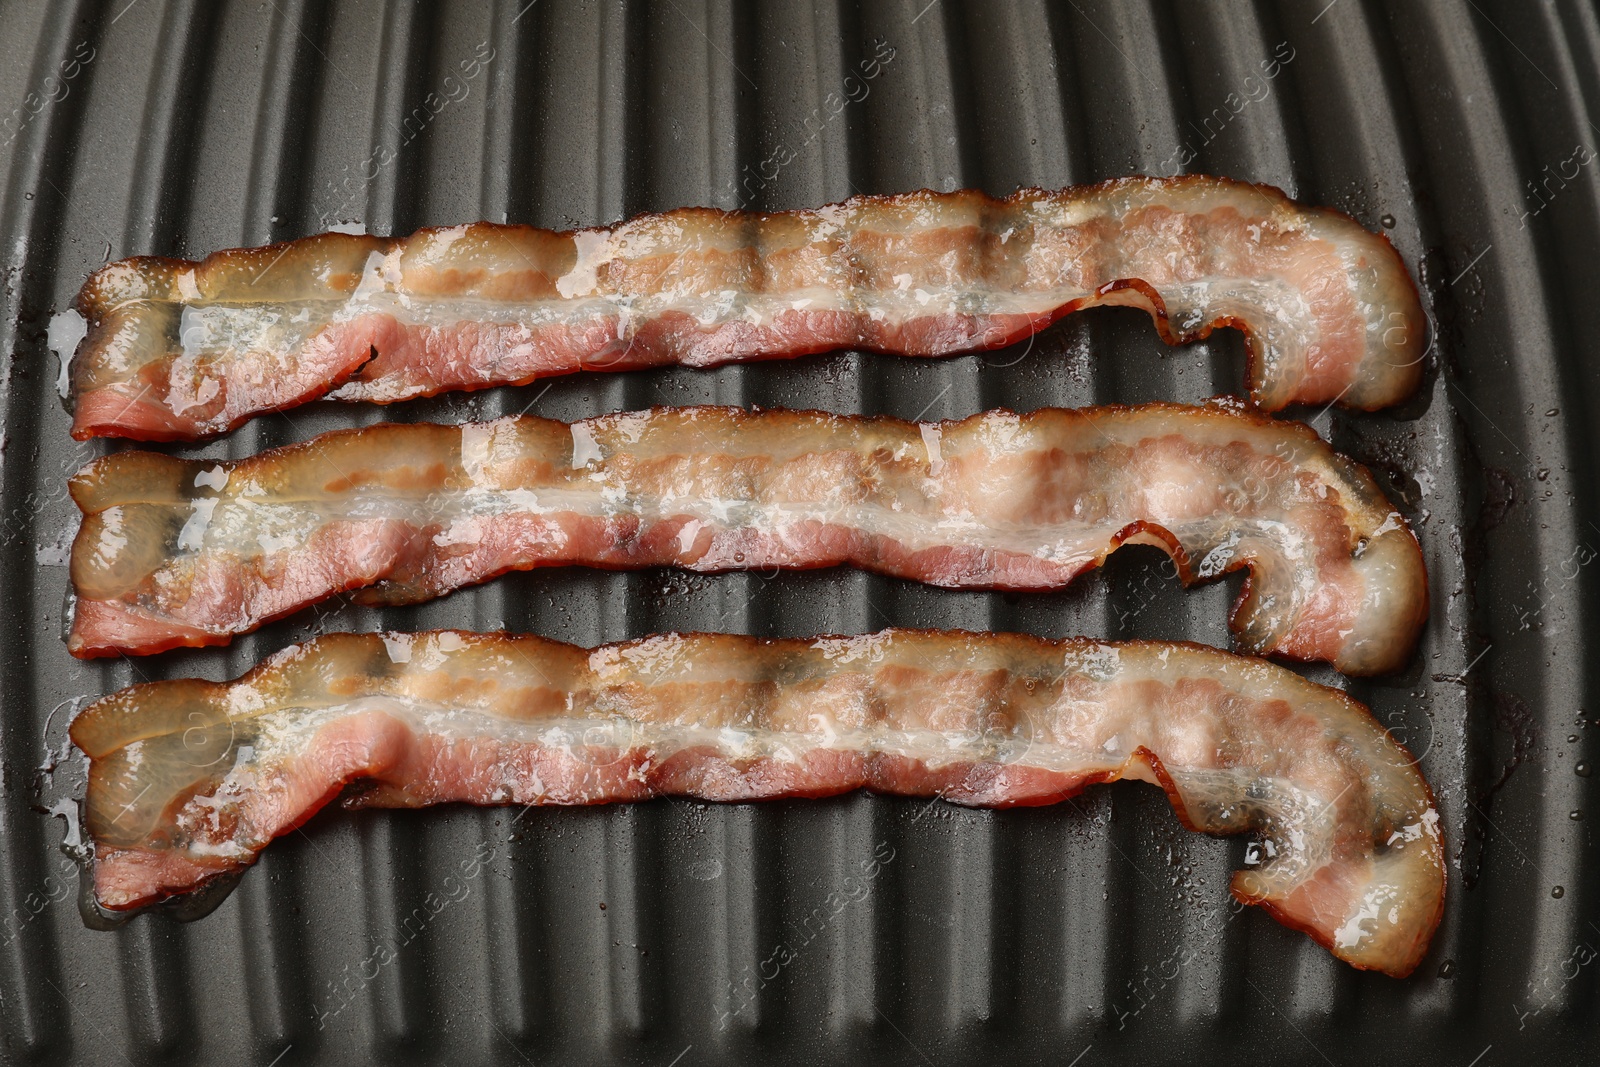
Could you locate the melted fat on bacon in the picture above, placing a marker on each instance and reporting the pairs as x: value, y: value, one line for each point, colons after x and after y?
x: 178, y: 349
x: 189, y: 780
x: 180, y: 552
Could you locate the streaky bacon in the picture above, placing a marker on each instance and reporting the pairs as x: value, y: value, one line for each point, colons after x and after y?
x: 189, y: 552
x: 191, y: 779
x: 179, y: 349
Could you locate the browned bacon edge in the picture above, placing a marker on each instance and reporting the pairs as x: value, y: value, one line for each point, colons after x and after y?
x: 1358, y: 340
x: 189, y: 780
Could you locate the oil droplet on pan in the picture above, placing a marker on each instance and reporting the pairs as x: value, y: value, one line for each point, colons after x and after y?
x: 1558, y: 892
x: 1582, y: 768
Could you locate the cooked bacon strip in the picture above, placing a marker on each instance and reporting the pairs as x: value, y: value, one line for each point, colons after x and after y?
x: 183, y: 552
x: 191, y: 779
x: 178, y: 349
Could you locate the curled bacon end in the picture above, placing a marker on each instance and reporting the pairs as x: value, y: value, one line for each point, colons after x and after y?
x: 179, y: 349
x: 178, y: 552
x: 189, y: 780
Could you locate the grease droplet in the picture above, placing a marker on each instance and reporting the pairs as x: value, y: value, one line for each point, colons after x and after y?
x: 1544, y: 472
x: 1557, y: 892
x: 706, y: 870
x: 1574, y: 814
x: 1552, y: 413
x: 1447, y: 969
x: 1387, y: 222
x: 1572, y: 738
x: 1582, y: 769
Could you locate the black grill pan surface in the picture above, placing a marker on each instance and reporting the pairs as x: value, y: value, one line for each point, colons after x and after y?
x: 673, y: 932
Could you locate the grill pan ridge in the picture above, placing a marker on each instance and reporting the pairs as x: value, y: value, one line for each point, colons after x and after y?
x: 678, y: 932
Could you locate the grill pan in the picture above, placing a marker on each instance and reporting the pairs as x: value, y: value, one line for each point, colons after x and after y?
x: 1088, y: 932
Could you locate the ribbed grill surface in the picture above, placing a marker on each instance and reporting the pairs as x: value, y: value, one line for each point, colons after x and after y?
x: 1097, y: 929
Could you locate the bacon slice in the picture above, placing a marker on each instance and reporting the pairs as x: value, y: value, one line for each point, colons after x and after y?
x: 191, y: 779
x: 178, y: 349
x: 183, y: 552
